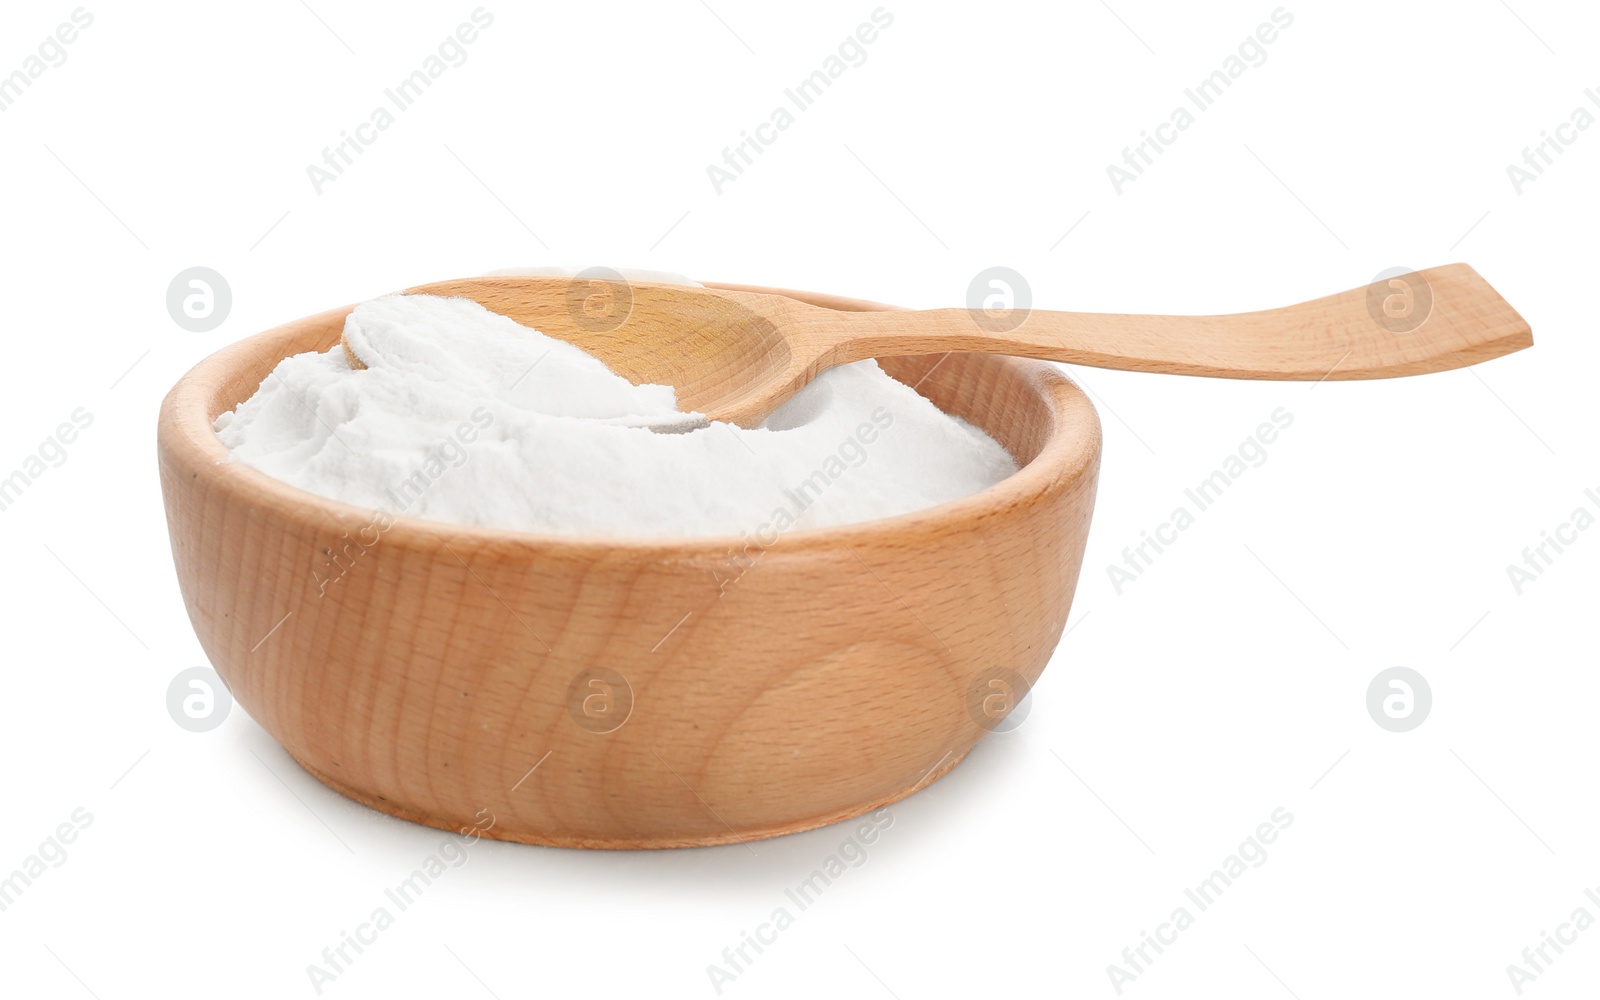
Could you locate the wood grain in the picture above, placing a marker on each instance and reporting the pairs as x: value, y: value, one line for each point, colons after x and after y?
x: 432, y: 680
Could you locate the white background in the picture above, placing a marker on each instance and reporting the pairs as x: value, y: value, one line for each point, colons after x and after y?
x: 1226, y: 682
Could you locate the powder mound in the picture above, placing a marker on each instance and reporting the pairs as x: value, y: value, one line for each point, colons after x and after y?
x: 466, y: 416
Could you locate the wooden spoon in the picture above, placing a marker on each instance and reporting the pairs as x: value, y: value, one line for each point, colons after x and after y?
x: 738, y: 355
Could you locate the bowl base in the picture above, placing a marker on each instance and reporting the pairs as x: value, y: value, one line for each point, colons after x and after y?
x: 498, y: 832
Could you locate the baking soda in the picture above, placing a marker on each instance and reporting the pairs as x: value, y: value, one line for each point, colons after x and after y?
x: 465, y: 416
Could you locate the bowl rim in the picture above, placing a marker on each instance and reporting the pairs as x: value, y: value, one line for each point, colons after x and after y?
x: 187, y: 436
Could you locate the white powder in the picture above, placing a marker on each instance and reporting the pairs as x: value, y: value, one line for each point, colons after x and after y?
x: 466, y: 416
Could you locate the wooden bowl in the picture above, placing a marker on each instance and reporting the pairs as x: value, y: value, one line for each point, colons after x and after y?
x: 616, y: 693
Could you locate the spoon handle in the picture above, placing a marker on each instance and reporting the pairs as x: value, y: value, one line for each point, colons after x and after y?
x: 1426, y: 321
